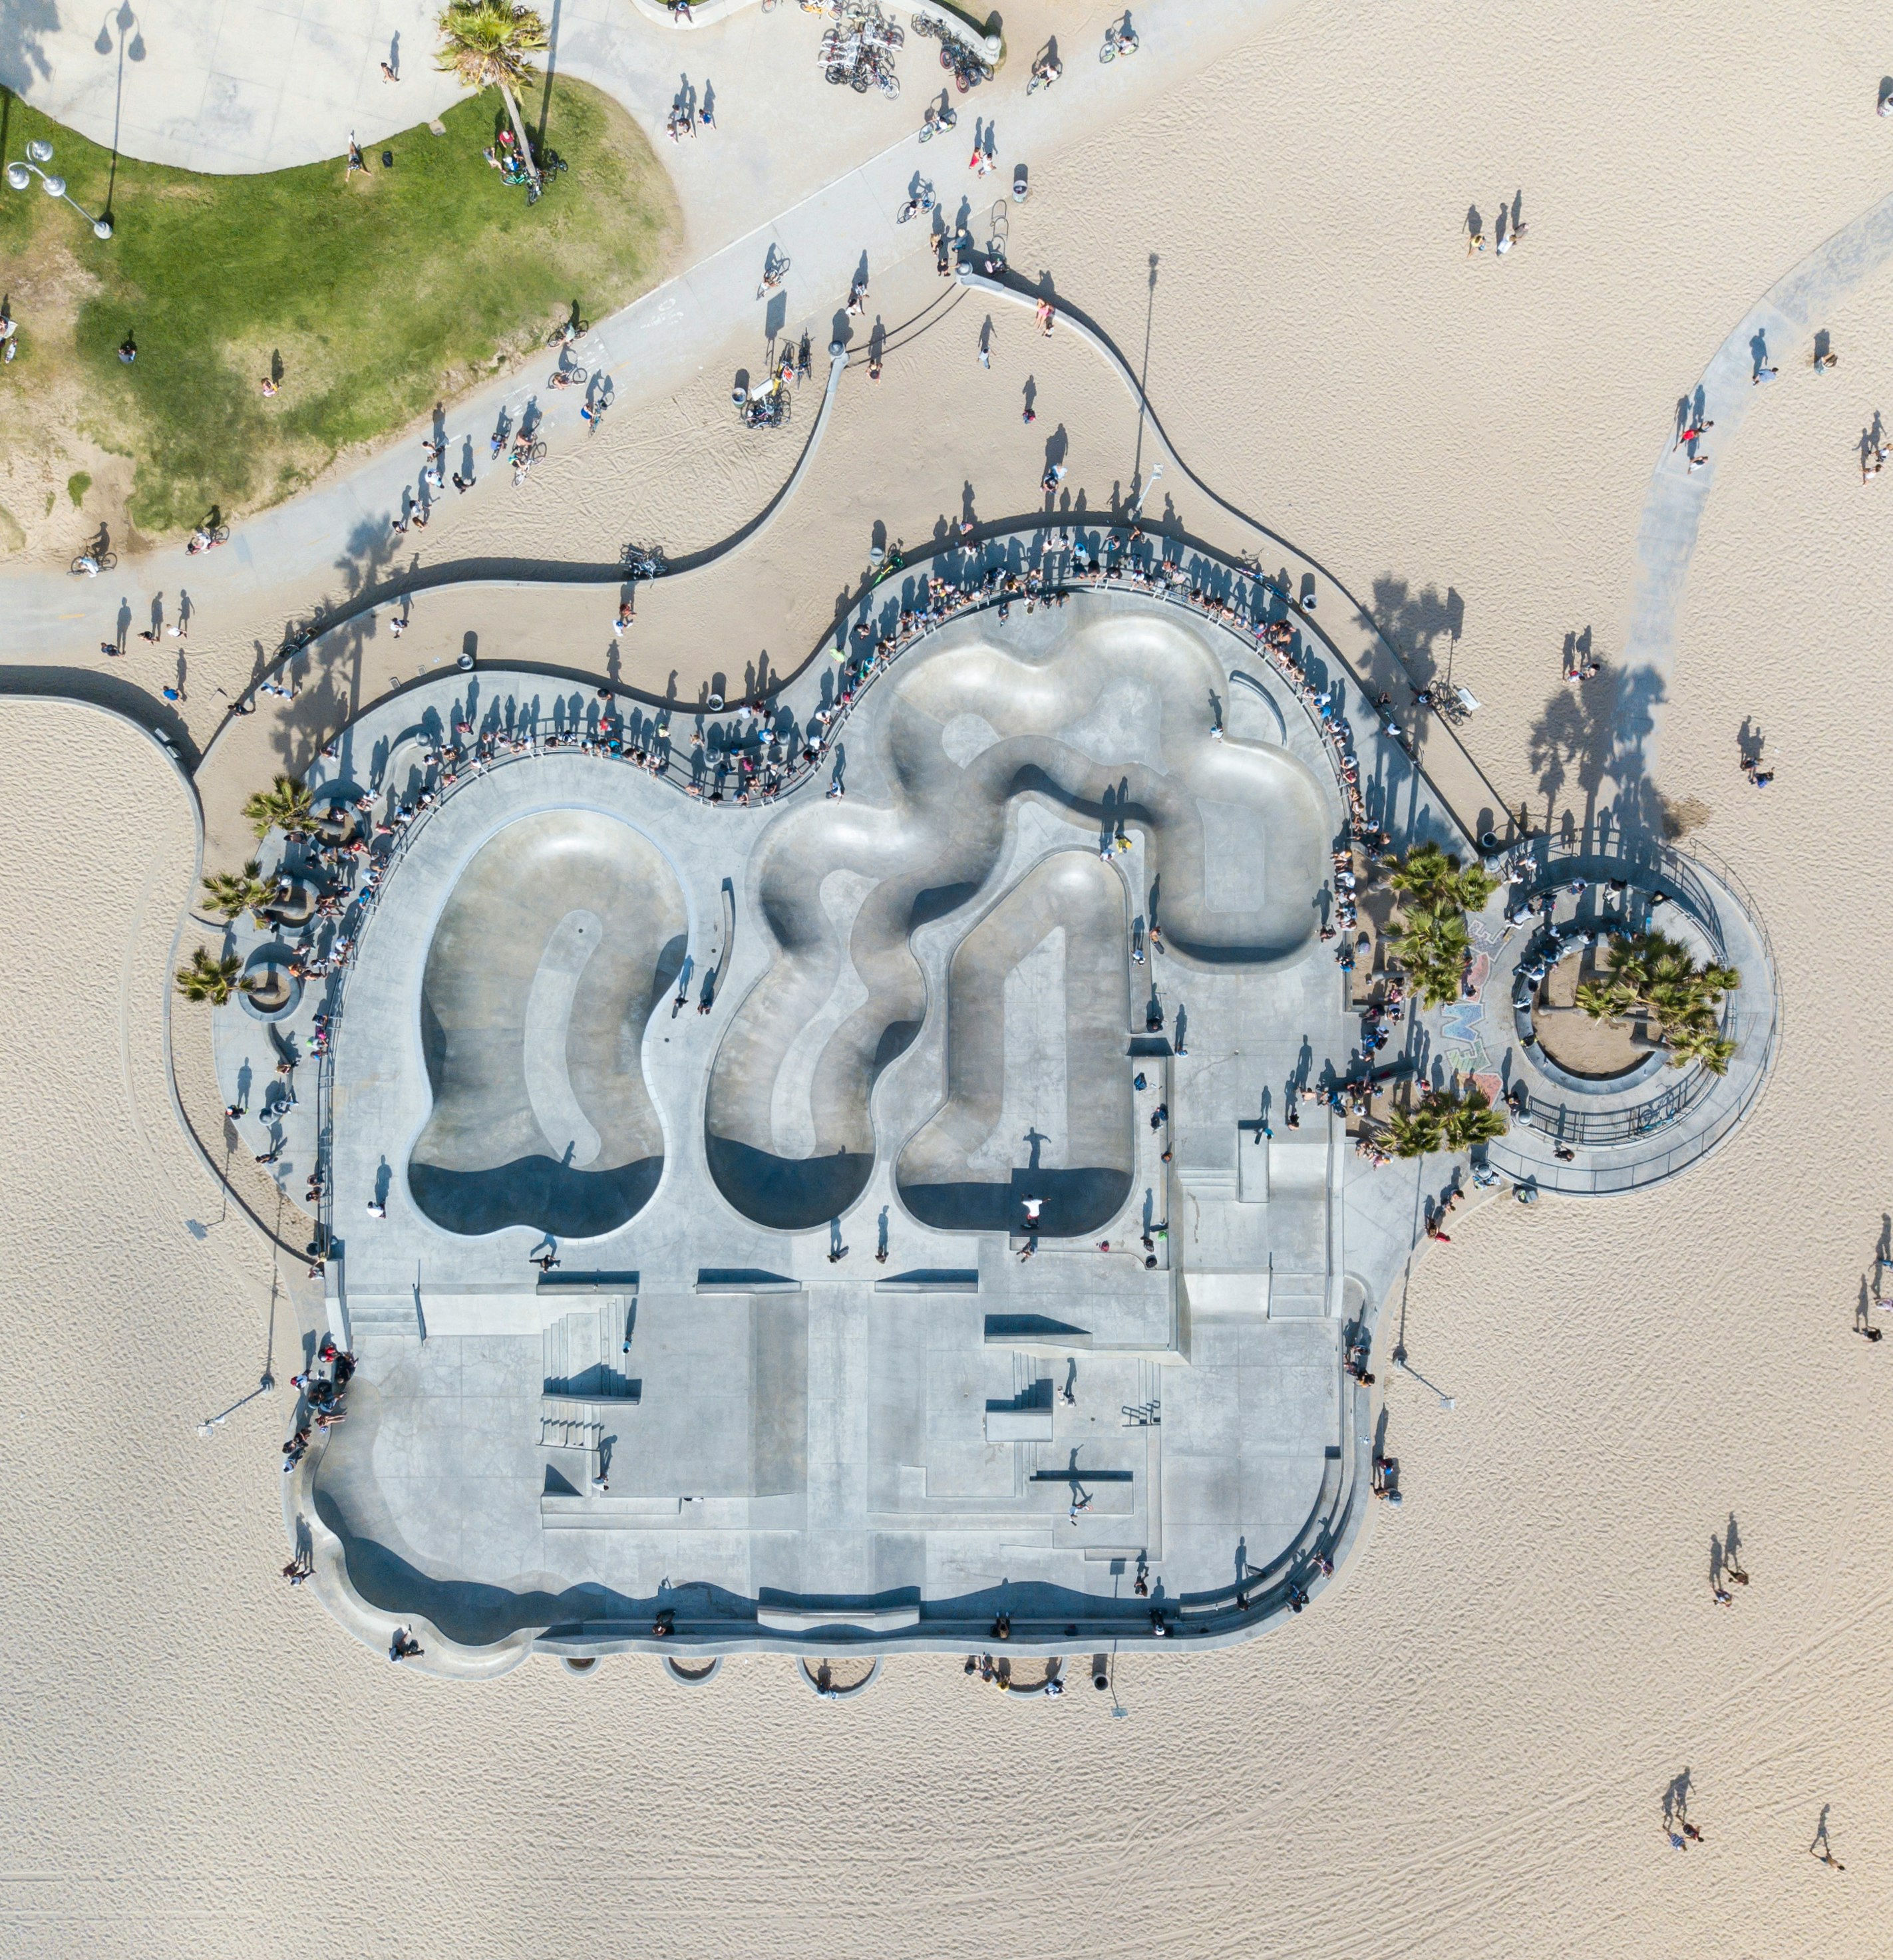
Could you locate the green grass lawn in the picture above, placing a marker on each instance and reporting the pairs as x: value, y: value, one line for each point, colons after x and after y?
x: 377, y: 296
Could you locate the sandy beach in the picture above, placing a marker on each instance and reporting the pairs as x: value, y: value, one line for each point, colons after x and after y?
x: 1466, y: 1748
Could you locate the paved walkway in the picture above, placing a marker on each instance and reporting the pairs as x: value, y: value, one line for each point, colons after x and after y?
x: 1779, y: 329
x: 655, y: 345
x: 213, y: 85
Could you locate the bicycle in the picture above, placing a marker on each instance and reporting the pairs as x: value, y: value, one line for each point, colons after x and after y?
x: 939, y: 116
x: 89, y: 564
x: 206, y: 537
x: 567, y: 377
x: 1118, y: 39
x: 573, y: 331
x: 922, y: 200
x: 640, y: 563
x: 1045, y: 73
x: 773, y: 273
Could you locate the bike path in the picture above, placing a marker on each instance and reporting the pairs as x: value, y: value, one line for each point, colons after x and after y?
x: 648, y: 350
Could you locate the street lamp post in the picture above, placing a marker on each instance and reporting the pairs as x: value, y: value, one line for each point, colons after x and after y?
x: 20, y: 175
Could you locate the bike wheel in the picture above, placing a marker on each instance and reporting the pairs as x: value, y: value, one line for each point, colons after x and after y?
x: 890, y: 85
x: 536, y: 453
x: 859, y: 79
x: 575, y: 375
x: 1108, y: 52
x: 220, y: 536
x: 108, y: 559
x: 946, y: 57
x: 926, y: 132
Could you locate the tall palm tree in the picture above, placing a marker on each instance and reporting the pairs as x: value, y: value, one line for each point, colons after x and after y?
x: 1435, y: 947
x: 1430, y: 876
x: 1469, y: 1120
x: 1651, y: 975
x: 485, y: 43
x: 1700, y: 1041
x: 227, y: 893
x: 284, y: 806
x: 209, y: 978
x: 1414, y: 1133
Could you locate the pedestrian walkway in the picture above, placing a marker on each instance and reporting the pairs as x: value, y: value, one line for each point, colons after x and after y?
x: 657, y: 344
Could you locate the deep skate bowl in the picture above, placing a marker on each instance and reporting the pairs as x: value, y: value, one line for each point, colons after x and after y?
x: 558, y: 940
x: 1100, y: 721
x: 1037, y: 999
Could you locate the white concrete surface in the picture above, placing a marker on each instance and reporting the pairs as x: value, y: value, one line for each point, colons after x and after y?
x: 224, y: 88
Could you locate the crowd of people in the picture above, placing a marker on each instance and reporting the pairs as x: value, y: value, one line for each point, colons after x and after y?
x: 321, y: 1388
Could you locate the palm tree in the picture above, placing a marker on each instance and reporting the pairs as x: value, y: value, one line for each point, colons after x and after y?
x: 1415, y: 1133
x: 1435, y: 947
x: 1606, y: 1000
x: 209, y: 978
x: 485, y: 43
x: 1703, y: 1041
x: 227, y: 893
x: 1466, y: 1122
x: 1653, y: 976
x: 1431, y: 877
x: 285, y: 806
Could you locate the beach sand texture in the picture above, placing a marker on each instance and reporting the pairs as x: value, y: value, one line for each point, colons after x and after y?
x: 1465, y: 1749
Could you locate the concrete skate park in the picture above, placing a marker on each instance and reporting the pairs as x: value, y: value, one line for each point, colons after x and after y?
x: 849, y: 1218
x: 774, y: 1085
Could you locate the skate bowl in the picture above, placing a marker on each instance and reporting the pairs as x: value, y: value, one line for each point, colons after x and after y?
x: 1013, y: 789
x: 1037, y: 1004
x: 556, y: 942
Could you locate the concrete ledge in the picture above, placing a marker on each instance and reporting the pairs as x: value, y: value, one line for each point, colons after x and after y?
x: 742, y: 1279
x: 821, y: 1619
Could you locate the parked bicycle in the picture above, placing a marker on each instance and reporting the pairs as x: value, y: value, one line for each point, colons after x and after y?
x: 967, y: 67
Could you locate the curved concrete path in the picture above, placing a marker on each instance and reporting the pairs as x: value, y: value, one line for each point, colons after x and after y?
x: 1676, y: 1117
x: 840, y: 205
x: 1330, y: 612
x: 1779, y: 329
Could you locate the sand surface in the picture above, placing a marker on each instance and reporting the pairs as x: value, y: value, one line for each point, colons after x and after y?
x: 1465, y: 1749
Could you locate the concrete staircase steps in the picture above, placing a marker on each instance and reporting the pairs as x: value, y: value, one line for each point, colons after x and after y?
x: 383, y: 1315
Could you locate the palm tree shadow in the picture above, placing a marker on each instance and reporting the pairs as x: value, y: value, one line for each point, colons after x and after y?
x: 1588, y: 750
